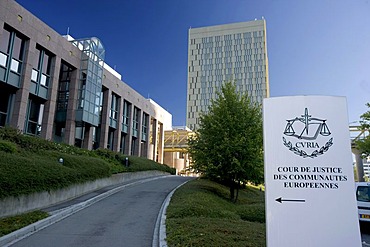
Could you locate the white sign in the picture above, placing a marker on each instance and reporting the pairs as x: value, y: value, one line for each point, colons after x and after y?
x: 309, y: 179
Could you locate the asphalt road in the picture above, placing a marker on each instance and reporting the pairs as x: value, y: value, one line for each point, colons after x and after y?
x: 126, y: 218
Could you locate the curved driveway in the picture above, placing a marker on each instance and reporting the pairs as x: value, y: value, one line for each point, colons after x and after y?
x: 126, y: 218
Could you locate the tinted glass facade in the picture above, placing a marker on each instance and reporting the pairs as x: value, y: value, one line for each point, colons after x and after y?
x: 234, y: 52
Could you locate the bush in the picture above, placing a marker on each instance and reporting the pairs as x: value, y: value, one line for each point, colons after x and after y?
x: 253, y: 212
x: 9, y: 133
x: 28, y: 173
x: 143, y: 164
x: 8, y: 147
x: 118, y: 161
x: 30, y: 164
x: 38, y: 145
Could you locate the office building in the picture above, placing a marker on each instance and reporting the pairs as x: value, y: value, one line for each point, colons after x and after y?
x: 60, y: 88
x: 232, y: 52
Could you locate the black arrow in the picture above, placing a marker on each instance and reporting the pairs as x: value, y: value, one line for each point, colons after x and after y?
x: 281, y: 200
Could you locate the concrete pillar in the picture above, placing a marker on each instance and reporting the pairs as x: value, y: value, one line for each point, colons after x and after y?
x: 22, y: 95
x: 107, y: 98
x: 50, y: 105
x: 87, y: 142
x: 169, y: 159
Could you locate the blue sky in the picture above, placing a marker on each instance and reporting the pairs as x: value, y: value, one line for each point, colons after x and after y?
x: 315, y: 47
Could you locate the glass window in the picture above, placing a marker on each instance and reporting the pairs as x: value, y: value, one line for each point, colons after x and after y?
x: 44, y: 80
x: 15, y: 66
x: 36, y: 59
x: 34, y: 112
x: 136, y: 118
x: 41, y: 63
x: 363, y: 193
x: 4, y: 41
x: 114, y: 106
x: 34, y: 75
x: 126, y: 112
x: 46, y: 64
x: 3, y: 59
x: 63, y: 88
x: 18, y: 48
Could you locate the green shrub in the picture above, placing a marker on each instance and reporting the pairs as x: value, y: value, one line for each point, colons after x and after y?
x: 105, y: 153
x: 144, y: 164
x: 35, y: 166
x: 28, y: 172
x: 118, y: 162
x: 252, y: 212
x: 36, y: 144
x: 7, y: 146
x: 9, y: 133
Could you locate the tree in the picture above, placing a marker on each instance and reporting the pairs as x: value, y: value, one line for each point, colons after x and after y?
x: 228, y: 144
x: 364, y: 144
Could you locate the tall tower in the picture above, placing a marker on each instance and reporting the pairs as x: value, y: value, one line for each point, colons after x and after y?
x: 232, y: 52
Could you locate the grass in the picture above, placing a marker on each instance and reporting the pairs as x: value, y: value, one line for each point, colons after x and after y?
x: 10, y: 224
x: 29, y: 164
x: 201, y: 214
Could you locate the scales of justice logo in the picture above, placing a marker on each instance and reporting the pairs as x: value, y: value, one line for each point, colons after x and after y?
x: 303, y: 133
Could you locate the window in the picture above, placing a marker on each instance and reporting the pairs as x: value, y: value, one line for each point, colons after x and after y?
x: 133, y: 146
x: 123, y: 143
x: 81, y: 91
x: 126, y: 116
x: 363, y: 193
x: 145, y: 123
x: 4, y: 45
x: 114, y: 107
x: 11, y: 56
x: 5, y: 97
x: 110, y: 139
x: 63, y: 88
x: 41, y: 73
x: 34, y: 117
x: 17, y: 54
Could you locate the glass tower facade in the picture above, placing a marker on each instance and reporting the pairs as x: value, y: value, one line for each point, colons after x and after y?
x: 90, y: 87
x: 232, y: 52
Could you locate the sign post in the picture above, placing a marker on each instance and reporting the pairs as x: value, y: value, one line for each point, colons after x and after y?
x: 310, y: 191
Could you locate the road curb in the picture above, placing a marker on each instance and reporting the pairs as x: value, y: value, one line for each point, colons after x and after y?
x: 22, y: 233
x: 159, y: 235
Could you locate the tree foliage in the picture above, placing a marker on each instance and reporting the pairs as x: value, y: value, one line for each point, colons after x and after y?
x: 228, y: 144
x: 364, y: 144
